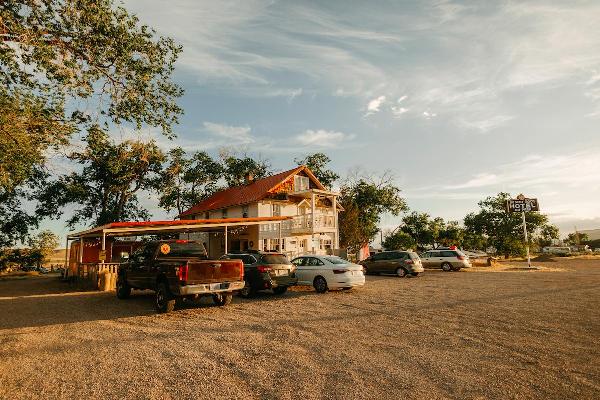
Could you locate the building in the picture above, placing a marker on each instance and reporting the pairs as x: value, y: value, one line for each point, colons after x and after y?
x: 297, y: 193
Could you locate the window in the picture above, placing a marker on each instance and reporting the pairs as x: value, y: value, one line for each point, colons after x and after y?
x: 301, y: 183
x: 245, y: 212
x: 224, y: 213
x: 314, y: 261
x: 274, y: 259
x: 298, y: 261
x: 275, y: 210
x: 207, y: 215
x: 447, y: 254
x: 336, y: 260
x: 326, y: 244
x: 246, y: 258
x: 379, y: 256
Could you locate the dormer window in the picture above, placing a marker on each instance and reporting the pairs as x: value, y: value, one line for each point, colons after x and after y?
x: 301, y: 183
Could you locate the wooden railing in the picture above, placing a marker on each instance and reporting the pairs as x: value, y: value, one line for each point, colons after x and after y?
x: 88, y: 274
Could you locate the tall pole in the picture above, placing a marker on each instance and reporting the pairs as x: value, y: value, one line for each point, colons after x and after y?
x: 226, y: 239
x: 526, y: 240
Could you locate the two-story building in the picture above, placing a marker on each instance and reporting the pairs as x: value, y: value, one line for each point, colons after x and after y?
x: 297, y: 193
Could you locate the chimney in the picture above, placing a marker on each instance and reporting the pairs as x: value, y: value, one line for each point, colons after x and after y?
x: 249, y: 178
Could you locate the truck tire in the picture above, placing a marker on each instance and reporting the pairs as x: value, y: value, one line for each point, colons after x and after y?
x: 280, y: 289
x: 222, y: 299
x: 247, y: 291
x: 164, y: 301
x: 123, y: 289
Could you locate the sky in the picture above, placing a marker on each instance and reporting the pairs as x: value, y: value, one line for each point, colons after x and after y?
x: 457, y: 100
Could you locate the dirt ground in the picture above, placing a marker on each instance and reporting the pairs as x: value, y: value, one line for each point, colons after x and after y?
x: 462, y: 335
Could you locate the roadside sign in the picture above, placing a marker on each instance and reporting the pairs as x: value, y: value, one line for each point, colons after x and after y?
x: 102, y: 255
x: 522, y: 204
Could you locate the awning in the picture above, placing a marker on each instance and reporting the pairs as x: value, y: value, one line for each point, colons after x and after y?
x: 133, y: 228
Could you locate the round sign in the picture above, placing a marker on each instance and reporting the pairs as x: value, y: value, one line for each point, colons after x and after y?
x: 165, y: 248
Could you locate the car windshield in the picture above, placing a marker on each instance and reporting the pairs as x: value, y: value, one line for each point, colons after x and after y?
x: 246, y: 258
x: 336, y: 260
x: 275, y: 259
x: 186, y: 249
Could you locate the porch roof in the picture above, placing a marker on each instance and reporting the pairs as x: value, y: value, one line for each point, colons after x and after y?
x: 135, y: 228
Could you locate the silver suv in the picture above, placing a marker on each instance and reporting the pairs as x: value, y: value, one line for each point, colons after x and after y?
x: 446, y: 259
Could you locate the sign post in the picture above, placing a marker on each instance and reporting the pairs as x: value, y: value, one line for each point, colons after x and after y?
x: 523, y: 204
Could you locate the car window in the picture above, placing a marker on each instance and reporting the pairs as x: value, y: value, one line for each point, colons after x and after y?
x: 314, y: 261
x: 336, y: 260
x: 246, y: 258
x: 378, y: 256
x: 185, y: 249
x: 274, y: 259
x: 448, y: 254
x: 434, y: 254
x: 399, y: 255
x: 298, y: 261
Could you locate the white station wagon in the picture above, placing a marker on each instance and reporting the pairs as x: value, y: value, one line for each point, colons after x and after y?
x: 328, y: 272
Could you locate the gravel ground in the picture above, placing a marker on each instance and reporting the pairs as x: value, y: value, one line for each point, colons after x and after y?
x: 465, y: 335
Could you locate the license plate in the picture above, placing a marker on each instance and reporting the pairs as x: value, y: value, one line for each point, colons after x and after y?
x: 280, y: 272
x: 215, y: 286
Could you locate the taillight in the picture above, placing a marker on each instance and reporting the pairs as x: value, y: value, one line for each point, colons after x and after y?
x: 263, y: 268
x: 182, y: 272
x: 340, y: 271
x: 409, y: 262
x: 460, y: 257
x: 241, y: 271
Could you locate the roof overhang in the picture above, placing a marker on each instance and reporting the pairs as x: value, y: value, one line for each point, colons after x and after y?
x: 157, y: 227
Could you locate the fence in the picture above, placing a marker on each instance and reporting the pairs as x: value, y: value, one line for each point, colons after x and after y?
x: 88, y: 274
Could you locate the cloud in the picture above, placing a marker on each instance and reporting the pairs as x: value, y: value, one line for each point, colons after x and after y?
x: 234, y: 134
x: 486, y: 125
x: 374, y: 105
x: 322, y: 138
x: 429, y: 114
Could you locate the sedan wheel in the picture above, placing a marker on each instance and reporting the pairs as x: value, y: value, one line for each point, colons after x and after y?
x: 401, y: 272
x: 446, y: 267
x: 320, y: 284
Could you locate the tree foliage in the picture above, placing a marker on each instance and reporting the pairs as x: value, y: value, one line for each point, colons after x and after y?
x: 504, y: 230
x: 364, y: 201
x: 44, y: 243
x: 398, y: 240
x: 237, y: 168
x: 107, y: 186
x: 188, y: 179
x: 576, y: 238
x: 66, y: 65
x: 317, y: 163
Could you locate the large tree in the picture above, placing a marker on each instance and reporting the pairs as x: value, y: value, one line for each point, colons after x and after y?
x: 317, y: 163
x: 502, y: 229
x: 364, y: 201
x: 44, y: 244
x: 188, y: 179
x: 107, y: 186
x: 237, y: 168
x: 398, y: 240
x: 419, y: 227
x: 64, y: 66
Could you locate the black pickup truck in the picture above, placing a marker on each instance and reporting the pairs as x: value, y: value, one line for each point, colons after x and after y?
x: 179, y: 269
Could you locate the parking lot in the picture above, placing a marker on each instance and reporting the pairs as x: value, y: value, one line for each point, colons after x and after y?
x: 461, y: 335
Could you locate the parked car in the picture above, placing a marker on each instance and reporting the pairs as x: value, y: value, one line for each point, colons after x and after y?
x: 328, y: 272
x: 557, y: 250
x: 265, y: 271
x: 446, y: 259
x: 401, y: 263
x: 179, y: 269
x: 42, y: 270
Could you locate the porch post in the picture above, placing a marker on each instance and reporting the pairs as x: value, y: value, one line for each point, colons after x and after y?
x: 335, y: 224
x: 313, y: 217
x: 66, y: 266
x: 80, y: 250
x: 225, y: 239
x: 104, y: 245
x: 280, y: 244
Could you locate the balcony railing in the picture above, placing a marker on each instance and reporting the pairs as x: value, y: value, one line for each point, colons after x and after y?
x: 303, y: 224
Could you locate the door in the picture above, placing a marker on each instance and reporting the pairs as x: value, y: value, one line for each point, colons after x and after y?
x: 426, y: 259
x: 449, y: 257
x: 138, y: 273
x: 378, y: 263
x: 301, y: 272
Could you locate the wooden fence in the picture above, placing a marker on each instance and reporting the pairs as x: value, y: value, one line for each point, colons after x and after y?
x: 88, y: 274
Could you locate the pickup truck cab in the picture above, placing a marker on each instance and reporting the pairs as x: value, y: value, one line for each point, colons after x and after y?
x: 177, y: 269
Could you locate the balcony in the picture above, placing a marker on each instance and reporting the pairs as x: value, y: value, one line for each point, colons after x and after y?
x: 302, y: 224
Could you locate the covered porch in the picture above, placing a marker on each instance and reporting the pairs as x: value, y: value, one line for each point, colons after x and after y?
x: 93, y: 252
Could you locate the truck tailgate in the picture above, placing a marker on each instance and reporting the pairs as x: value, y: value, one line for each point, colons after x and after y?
x: 215, y: 271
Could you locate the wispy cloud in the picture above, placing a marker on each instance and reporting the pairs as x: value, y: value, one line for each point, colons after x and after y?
x: 374, y: 105
x: 233, y: 134
x: 322, y: 138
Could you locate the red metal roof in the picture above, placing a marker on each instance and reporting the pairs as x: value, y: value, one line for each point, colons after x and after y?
x: 245, y: 194
x: 135, y: 224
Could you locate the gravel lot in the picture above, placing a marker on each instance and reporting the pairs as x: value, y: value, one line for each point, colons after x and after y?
x: 466, y: 335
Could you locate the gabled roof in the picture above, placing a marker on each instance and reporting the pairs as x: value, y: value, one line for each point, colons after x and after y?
x: 245, y: 194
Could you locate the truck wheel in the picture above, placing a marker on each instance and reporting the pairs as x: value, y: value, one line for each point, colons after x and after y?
x: 222, y: 299
x: 164, y: 301
x: 280, y: 289
x: 123, y: 289
x: 320, y: 284
x: 446, y: 267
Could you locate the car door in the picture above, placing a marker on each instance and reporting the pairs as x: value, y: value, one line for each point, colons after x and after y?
x: 394, y: 261
x: 302, y: 272
x: 316, y: 267
x: 378, y: 262
x: 449, y: 256
x: 427, y: 259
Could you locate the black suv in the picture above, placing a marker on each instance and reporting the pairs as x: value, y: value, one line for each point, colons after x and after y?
x: 264, y: 271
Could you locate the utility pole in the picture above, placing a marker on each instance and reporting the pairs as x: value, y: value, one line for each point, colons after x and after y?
x: 526, y: 240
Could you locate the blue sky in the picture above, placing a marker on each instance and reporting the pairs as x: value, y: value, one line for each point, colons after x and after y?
x: 458, y: 100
